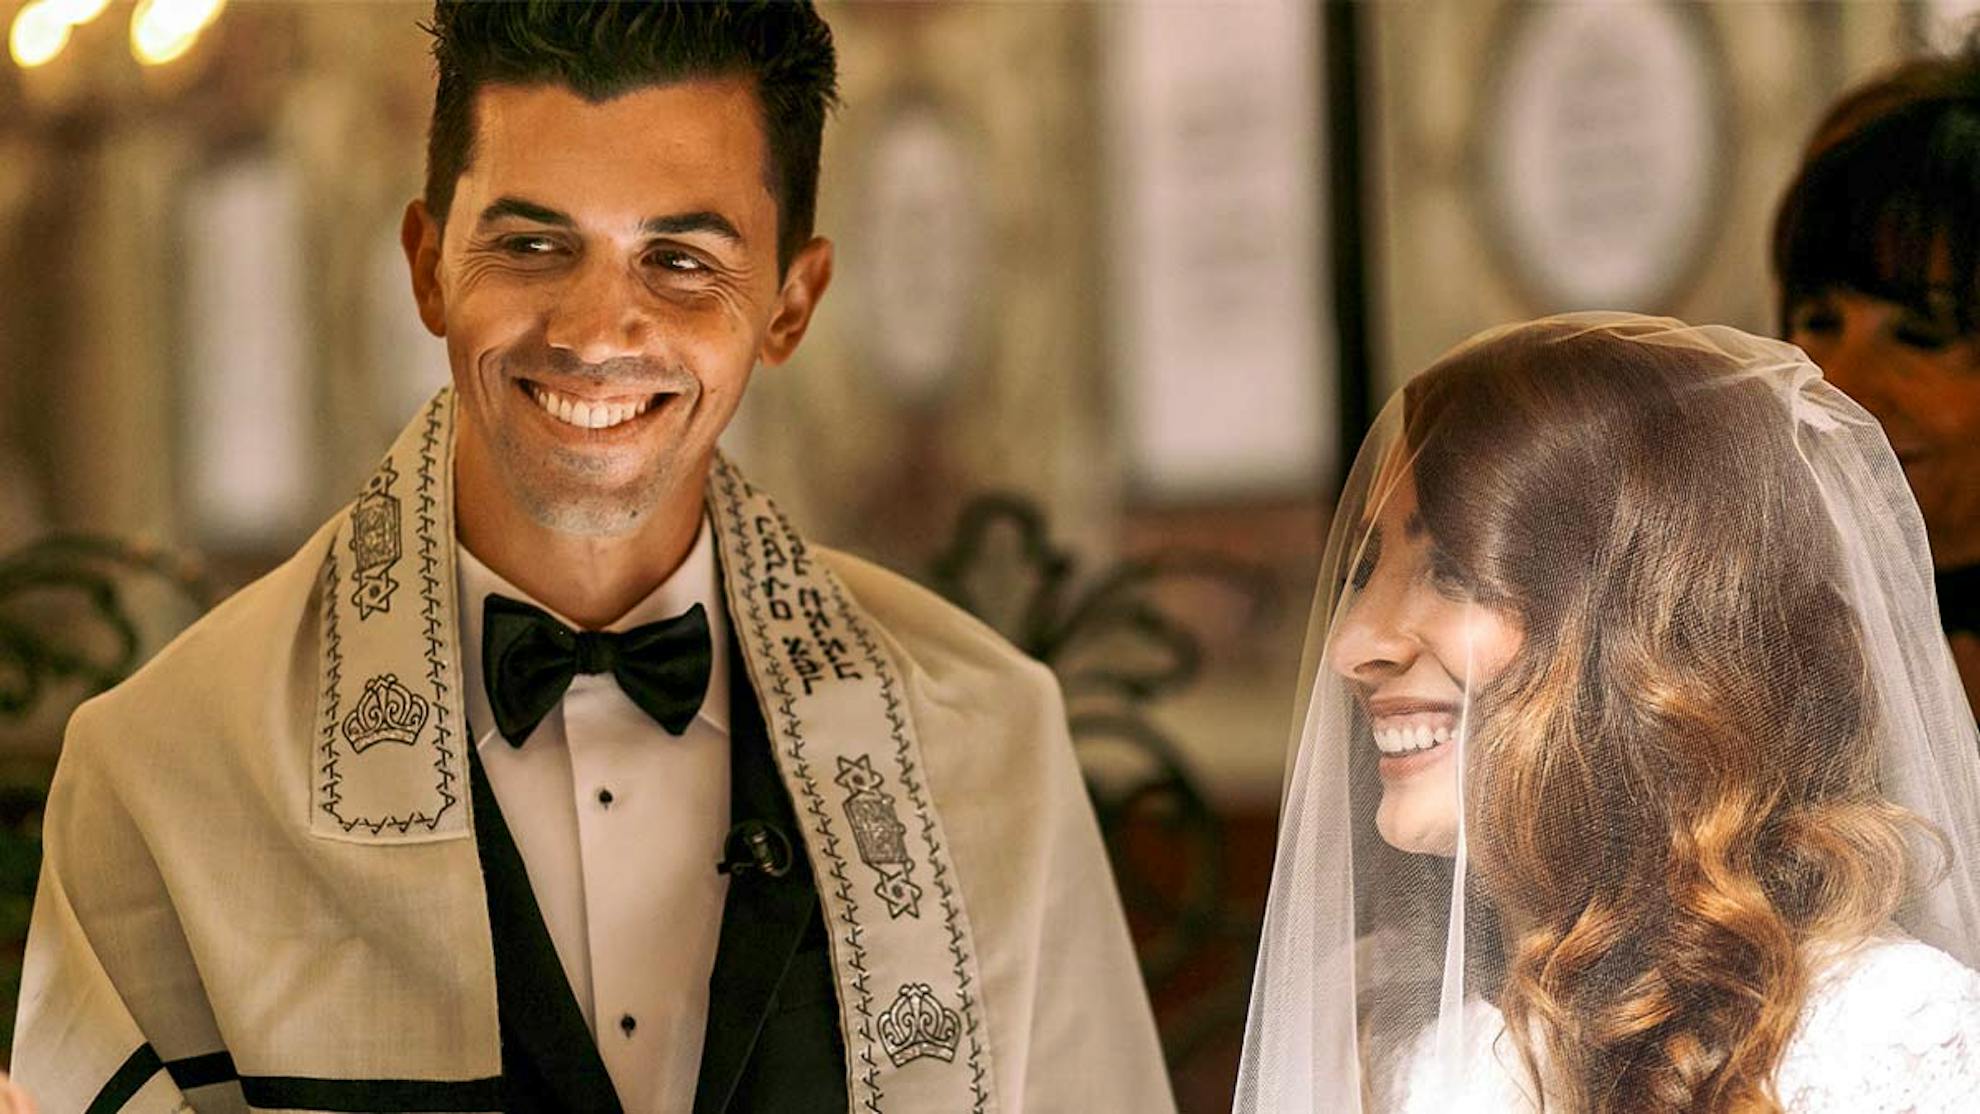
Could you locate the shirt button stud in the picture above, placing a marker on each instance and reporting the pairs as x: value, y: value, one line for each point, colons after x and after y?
x: 605, y: 797
x: 627, y: 1024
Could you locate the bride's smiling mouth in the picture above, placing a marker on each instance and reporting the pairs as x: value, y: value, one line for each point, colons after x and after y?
x: 1411, y: 734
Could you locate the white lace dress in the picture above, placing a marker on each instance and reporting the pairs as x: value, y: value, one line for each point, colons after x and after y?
x: 1890, y: 1027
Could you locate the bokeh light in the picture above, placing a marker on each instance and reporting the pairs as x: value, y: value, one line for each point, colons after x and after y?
x: 39, y: 33
x: 75, y: 13
x: 162, y: 30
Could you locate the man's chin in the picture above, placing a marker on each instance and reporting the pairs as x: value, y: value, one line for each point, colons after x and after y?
x: 592, y: 514
x: 573, y: 491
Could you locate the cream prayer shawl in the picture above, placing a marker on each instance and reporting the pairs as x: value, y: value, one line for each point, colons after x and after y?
x: 261, y: 888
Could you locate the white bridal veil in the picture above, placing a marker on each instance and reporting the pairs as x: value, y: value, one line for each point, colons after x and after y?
x: 1625, y: 711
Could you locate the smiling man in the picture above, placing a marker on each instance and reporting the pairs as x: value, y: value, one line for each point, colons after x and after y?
x: 559, y: 772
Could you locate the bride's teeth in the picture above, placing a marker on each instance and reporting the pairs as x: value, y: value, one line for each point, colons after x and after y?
x: 1411, y: 739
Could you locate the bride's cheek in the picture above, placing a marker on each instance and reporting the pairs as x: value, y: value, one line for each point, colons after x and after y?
x: 1420, y: 816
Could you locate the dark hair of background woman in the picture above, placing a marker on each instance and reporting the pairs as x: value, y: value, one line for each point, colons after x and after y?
x: 1887, y: 202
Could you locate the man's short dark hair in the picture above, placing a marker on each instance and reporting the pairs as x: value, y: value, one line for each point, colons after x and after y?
x: 602, y: 50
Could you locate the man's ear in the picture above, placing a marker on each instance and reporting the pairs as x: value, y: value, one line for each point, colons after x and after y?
x: 419, y: 235
x: 805, y: 281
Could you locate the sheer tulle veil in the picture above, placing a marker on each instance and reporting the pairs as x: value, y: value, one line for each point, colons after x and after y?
x: 1624, y: 704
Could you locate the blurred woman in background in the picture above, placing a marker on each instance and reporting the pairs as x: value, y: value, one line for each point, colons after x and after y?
x: 1876, y: 258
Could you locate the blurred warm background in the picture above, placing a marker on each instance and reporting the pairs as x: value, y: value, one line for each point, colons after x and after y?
x: 1139, y: 273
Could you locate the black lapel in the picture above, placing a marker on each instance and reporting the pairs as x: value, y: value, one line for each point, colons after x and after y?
x: 763, y: 919
x: 549, y: 1060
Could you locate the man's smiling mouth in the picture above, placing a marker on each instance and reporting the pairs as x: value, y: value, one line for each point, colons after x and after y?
x: 588, y: 413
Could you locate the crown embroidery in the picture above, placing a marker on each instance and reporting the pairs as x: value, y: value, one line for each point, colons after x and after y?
x: 388, y: 712
x: 919, y: 1025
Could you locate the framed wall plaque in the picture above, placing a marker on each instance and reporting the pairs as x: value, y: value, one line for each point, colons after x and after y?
x: 921, y: 258
x: 1600, y: 152
x: 1225, y: 369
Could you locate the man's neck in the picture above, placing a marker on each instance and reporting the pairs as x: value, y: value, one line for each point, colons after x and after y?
x: 591, y: 580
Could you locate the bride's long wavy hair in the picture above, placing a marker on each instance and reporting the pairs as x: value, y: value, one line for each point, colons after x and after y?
x: 1673, y: 790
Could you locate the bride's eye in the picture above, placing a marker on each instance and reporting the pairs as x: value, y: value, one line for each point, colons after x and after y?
x: 1447, y: 577
x: 1364, y: 566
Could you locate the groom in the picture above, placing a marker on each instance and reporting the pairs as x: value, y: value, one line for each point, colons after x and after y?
x: 558, y: 772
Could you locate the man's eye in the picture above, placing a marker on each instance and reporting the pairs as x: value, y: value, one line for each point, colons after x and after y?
x: 677, y: 261
x: 529, y: 245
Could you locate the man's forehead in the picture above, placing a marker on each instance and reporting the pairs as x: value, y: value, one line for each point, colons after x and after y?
x: 697, y: 143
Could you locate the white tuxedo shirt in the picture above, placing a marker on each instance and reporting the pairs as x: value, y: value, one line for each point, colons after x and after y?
x: 620, y: 825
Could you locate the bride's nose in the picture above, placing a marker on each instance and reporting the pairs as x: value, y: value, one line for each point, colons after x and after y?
x: 1371, y: 640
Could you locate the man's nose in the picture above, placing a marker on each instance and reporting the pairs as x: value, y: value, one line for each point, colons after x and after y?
x: 602, y: 315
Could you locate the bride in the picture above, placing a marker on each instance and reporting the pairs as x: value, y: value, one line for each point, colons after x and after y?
x: 1633, y: 773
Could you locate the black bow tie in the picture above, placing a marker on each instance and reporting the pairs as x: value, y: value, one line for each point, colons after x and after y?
x: 529, y: 658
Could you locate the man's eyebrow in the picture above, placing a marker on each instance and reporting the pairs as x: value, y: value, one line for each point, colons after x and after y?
x: 527, y: 210
x: 673, y: 224
x: 677, y: 224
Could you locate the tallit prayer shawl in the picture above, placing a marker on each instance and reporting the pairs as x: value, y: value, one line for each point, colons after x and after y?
x: 261, y: 888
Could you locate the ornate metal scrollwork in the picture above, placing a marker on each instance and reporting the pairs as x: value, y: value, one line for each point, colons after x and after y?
x: 64, y: 617
x: 1115, y: 651
x: 40, y: 648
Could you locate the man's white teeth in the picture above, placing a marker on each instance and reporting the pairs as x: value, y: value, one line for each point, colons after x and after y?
x: 588, y: 415
x: 1409, y: 740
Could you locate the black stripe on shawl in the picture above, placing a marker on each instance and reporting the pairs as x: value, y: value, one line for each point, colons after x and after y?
x: 402, y: 1096
x: 202, y: 1071
x: 343, y: 1096
x: 124, y: 1083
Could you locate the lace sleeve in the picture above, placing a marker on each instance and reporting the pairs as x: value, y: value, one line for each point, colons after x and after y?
x: 1895, y: 1029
